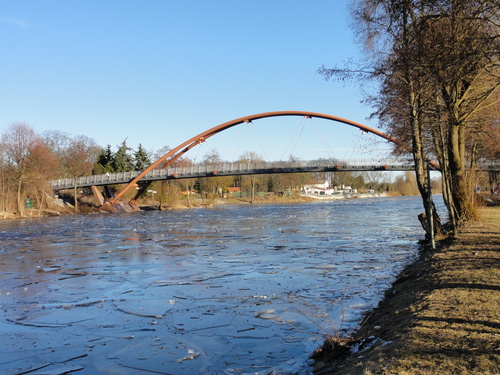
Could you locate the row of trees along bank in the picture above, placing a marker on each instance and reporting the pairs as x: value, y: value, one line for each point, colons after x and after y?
x: 29, y: 161
x: 436, y: 65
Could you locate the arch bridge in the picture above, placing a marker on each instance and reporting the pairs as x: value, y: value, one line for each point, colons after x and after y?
x: 141, y: 181
x: 170, y: 157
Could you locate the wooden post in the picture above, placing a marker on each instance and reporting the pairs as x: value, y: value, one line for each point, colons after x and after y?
x: 430, y: 205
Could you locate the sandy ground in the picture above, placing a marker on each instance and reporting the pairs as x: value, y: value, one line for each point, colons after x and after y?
x: 442, y: 315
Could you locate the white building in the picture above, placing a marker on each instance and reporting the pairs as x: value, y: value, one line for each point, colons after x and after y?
x: 319, y: 188
x: 345, y: 189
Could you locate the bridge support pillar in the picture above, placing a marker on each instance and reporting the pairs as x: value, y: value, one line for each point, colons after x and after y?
x: 109, y: 192
x: 112, y: 207
x: 119, y: 207
x: 141, y: 188
x: 97, y: 196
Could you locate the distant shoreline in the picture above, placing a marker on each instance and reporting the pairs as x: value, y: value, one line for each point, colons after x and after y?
x: 344, y: 196
x: 86, y: 208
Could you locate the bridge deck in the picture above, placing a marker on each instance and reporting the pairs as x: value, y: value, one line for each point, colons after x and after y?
x: 234, y: 169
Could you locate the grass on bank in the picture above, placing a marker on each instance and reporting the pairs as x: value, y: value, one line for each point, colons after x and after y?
x: 442, y: 315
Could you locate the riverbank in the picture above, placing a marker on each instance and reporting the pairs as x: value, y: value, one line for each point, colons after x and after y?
x: 442, y: 315
x: 87, y: 205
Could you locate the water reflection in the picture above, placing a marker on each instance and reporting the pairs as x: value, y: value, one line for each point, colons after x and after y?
x: 234, y: 289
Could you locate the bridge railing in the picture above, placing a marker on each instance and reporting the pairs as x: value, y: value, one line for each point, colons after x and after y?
x: 99, y: 179
x: 214, y: 169
x: 245, y: 167
x: 488, y: 164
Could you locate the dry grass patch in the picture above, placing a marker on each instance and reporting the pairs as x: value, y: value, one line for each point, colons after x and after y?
x: 442, y: 316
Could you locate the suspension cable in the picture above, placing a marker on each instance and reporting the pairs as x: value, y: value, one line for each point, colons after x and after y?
x: 373, y: 147
x: 298, y: 130
x: 238, y: 137
x: 198, y: 151
x: 350, y: 150
x: 322, y: 139
x: 261, y: 142
x: 244, y: 129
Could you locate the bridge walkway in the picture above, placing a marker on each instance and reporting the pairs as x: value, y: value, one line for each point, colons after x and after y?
x: 235, y: 169
x: 227, y: 169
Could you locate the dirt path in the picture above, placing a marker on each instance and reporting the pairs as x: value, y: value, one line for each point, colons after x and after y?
x: 442, y: 315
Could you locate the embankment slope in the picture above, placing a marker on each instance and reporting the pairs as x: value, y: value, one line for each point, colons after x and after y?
x: 442, y: 315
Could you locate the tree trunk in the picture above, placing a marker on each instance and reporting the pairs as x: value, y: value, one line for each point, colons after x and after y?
x: 459, y: 187
x: 419, y: 157
x: 253, y: 189
x: 41, y: 203
x: 20, y: 205
x: 438, y: 228
x: 76, y: 197
x: 440, y: 145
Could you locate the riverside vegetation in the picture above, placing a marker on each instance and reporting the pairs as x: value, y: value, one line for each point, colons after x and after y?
x: 441, y: 316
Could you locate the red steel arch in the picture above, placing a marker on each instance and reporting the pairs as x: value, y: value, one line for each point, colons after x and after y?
x: 177, y: 152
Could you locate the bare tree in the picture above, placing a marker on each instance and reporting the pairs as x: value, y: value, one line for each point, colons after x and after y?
x: 78, y: 160
x: 18, y: 141
x: 214, y: 185
x: 249, y: 157
x: 437, y: 65
x: 392, y: 44
x: 42, y: 166
x: 57, y: 141
x: 462, y: 49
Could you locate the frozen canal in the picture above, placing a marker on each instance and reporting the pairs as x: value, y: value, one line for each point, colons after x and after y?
x: 227, y: 290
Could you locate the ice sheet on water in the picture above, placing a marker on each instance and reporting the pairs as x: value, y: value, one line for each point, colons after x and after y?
x: 147, y: 308
x: 249, y: 289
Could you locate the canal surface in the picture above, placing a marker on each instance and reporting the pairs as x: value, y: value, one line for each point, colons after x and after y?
x: 227, y: 290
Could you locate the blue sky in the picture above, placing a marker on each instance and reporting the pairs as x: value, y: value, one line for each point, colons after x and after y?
x: 159, y: 72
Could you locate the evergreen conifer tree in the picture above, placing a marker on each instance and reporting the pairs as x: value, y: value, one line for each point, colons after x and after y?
x: 142, y: 160
x: 122, y: 160
x: 104, y: 162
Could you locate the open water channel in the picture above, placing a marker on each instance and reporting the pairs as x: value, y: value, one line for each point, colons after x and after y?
x: 228, y: 290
